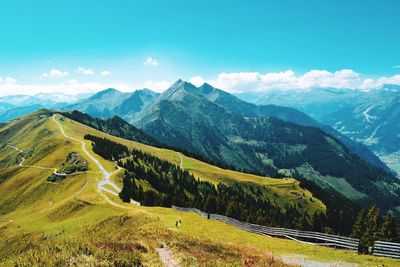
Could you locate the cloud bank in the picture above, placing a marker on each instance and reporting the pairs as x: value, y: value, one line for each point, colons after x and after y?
x: 234, y: 82
x: 289, y: 80
x: 10, y: 86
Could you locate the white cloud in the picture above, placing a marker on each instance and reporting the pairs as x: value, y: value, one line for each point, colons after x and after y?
x: 231, y: 82
x: 197, y: 80
x: 151, y: 62
x: 372, y: 84
x: 8, y: 80
x: 73, y: 86
x: 70, y: 87
x: 55, y: 73
x: 84, y: 71
x: 157, y: 86
x: 105, y: 73
x: 286, y: 80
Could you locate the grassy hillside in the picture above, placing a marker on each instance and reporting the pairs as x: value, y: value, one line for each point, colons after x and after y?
x: 285, y: 191
x: 71, y: 222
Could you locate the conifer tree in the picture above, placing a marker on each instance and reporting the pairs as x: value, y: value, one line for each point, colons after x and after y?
x: 389, y: 231
x: 359, y: 225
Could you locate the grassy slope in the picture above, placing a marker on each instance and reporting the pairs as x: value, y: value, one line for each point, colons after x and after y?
x: 286, y: 191
x: 38, y: 208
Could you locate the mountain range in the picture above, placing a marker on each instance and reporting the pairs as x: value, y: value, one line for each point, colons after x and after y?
x: 371, y: 117
x: 266, y: 139
x: 15, y: 106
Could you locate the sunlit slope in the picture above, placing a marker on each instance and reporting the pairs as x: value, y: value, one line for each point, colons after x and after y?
x: 71, y: 221
x: 24, y: 190
x: 283, y: 191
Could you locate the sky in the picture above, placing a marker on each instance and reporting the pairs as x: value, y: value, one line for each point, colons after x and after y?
x: 240, y: 46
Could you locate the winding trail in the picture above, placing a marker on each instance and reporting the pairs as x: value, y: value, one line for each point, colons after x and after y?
x: 101, y: 186
x: 40, y: 167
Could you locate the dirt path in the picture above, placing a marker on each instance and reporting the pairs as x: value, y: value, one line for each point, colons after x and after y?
x: 106, y: 175
x: 167, y: 258
x: 38, y: 167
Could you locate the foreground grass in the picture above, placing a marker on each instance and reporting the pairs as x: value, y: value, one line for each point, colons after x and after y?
x: 126, y: 241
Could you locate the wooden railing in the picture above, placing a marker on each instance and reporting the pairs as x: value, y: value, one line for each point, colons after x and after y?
x: 321, y: 239
x: 387, y: 249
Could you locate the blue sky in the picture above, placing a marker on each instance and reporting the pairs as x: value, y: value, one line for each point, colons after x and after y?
x: 187, y: 39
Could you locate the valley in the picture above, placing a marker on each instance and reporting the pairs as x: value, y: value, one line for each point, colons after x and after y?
x: 369, y: 116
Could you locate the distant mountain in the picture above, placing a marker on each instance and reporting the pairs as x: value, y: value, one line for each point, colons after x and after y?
x: 111, y: 102
x: 371, y: 117
x: 5, y: 106
x: 20, y: 100
x: 184, y: 116
x: 100, y: 104
x: 14, y: 106
x: 60, y: 97
x: 16, y: 112
x: 244, y: 108
x: 135, y: 102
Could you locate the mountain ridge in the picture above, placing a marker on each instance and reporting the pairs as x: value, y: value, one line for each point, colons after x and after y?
x: 370, y: 117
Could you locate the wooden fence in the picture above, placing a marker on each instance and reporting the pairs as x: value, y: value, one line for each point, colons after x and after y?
x: 321, y: 239
x: 387, y: 249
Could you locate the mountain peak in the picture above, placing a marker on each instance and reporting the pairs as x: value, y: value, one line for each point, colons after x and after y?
x: 179, y: 89
x: 177, y: 82
x: 110, y: 90
x: 182, y: 84
x: 107, y: 91
x: 206, y: 88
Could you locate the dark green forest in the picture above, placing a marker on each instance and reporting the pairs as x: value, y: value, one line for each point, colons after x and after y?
x: 114, y: 126
x: 156, y: 182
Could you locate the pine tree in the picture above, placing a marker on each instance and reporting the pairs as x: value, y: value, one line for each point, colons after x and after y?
x: 389, y: 231
x: 371, y: 230
x: 359, y: 225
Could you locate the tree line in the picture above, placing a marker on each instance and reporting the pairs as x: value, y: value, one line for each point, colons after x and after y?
x: 171, y: 185
x: 106, y: 148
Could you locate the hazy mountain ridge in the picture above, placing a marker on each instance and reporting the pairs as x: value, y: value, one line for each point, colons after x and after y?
x: 370, y: 117
x: 15, y: 106
x: 243, y: 108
